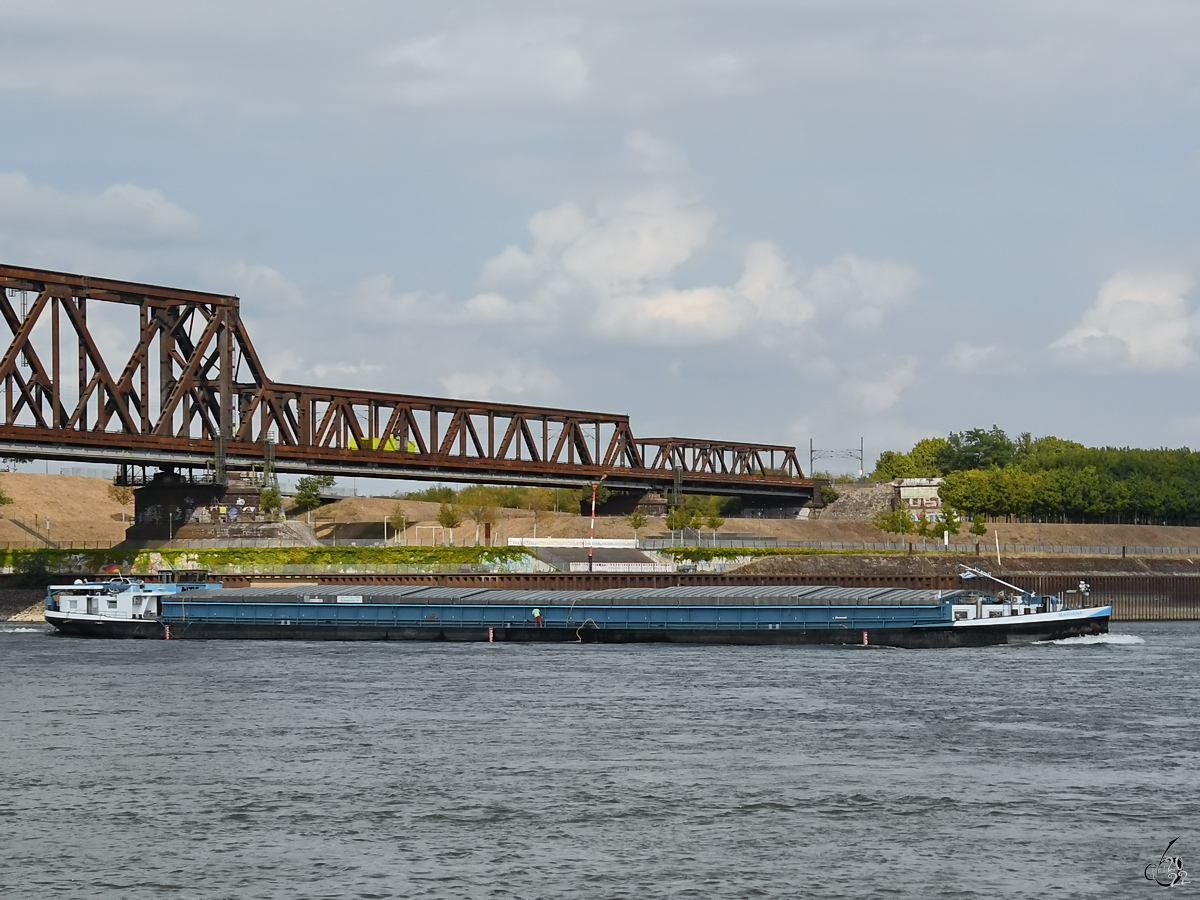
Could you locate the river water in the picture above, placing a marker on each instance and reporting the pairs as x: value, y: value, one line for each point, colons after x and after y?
x: 322, y: 770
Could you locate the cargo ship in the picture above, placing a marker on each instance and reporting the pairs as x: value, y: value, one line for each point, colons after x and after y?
x: 799, y: 614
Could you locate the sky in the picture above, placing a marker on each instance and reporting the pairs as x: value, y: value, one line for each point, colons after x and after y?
x: 752, y: 220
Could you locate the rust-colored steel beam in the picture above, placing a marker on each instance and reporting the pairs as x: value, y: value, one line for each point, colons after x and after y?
x: 190, y: 380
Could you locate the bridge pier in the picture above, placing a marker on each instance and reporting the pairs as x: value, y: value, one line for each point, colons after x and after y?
x: 179, y: 506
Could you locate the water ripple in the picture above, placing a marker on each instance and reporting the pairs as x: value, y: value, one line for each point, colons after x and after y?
x: 271, y: 770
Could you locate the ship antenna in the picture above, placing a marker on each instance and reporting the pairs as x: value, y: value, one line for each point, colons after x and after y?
x: 972, y: 572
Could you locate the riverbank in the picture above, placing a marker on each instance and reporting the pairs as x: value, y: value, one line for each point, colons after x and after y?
x: 22, y: 604
x: 73, y: 512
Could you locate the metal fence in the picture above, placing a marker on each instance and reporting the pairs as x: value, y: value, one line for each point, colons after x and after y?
x: 58, y: 545
x: 980, y: 548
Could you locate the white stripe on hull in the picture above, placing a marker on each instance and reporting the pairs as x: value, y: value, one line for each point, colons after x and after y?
x: 1064, y: 615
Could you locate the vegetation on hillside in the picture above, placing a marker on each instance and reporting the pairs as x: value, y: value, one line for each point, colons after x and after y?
x: 733, y: 554
x: 1047, y: 478
x: 901, y: 521
x: 42, y: 561
x: 509, y: 497
x: 570, y: 500
x: 698, y: 512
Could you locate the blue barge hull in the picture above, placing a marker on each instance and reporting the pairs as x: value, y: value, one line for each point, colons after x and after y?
x: 745, y: 615
x: 910, y: 638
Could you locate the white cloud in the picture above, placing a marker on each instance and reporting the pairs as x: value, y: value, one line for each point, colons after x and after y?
x: 612, y: 269
x: 919, y: 62
x: 654, y: 155
x: 470, y: 67
x: 769, y: 283
x: 698, y: 315
x: 108, y: 232
x: 513, y: 379
x: 638, y: 238
x: 882, y: 390
x: 615, y: 269
x: 865, y: 290
x: 119, y: 214
x: 268, y: 288
x: 344, y: 368
x: 989, y: 358
x: 483, y: 309
x: 1139, y: 322
x: 374, y: 301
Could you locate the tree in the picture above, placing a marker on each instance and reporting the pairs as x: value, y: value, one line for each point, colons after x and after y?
x: 270, y: 500
x: 478, y: 504
x: 922, y: 526
x: 976, y: 449
x: 489, y: 517
x: 712, y: 516
x: 1049, y: 478
x: 567, y: 500
x: 121, y: 493
x: 920, y: 462
x: 308, y: 491
x: 449, y: 517
x: 979, y: 525
x: 892, y: 465
x: 950, y: 520
x: 974, y: 490
x: 398, y: 519
x: 585, y: 496
x: 637, y: 521
x: 540, y: 501
x: 924, y: 456
x: 896, y: 521
x: 680, y: 518
x: 438, y: 494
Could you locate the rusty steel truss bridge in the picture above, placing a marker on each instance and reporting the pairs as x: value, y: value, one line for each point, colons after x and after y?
x: 137, y: 375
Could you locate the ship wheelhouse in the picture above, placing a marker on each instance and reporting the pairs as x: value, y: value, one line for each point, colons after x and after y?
x: 111, y: 600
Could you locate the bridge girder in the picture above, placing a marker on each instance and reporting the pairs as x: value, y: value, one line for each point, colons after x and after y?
x: 193, y: 387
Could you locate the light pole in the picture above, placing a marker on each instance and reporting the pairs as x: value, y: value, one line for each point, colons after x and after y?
x: 592, y: 536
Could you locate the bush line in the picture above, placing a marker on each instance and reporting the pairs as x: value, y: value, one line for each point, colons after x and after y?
x: 138, y: 560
